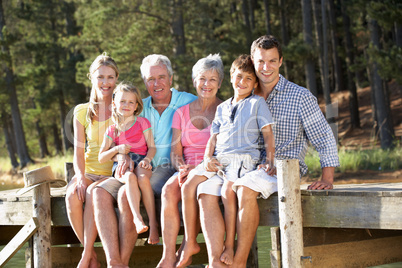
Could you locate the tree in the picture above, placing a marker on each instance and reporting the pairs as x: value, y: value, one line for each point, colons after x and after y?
x: 19, y: 133
x: 337, y: 73
x: 308, y: 39
x: 386, y: 131
x: 284, y: 33
x: 9, y: 143
x: 351, y: 74
x: 267, y: 18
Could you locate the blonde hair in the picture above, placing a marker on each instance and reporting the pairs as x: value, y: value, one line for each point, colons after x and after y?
x: 101, y: 60
x: 125, y: 87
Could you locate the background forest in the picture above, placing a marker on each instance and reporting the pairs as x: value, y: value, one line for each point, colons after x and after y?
x: 47, y: 47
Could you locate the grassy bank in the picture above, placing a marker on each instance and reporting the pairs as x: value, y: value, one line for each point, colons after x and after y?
x: 11, y: 178
x: 355, y: 160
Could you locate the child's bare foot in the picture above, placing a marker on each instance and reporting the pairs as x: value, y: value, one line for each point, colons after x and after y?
x: 140, y: 226
x: 153, y: 236
x: 94, y: 263
x: 166, y: 262
x: 189, y: 249
x: 227, y: 256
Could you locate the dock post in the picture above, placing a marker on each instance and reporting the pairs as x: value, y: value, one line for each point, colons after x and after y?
x: 290, y: 212
x: 42, y: 239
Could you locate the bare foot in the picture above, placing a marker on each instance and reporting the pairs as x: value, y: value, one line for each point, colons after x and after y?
x: 94, y: 263
x: 189, y: 249
x: 153, y: 236
x: 227, y: 256
x: 140, y: 226
x: 118, y: 266
x: 166, y: 262
x: 84, y: 262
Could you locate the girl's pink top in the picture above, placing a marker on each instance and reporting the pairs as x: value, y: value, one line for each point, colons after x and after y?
x: 133, y: 136
x: 193, y: 139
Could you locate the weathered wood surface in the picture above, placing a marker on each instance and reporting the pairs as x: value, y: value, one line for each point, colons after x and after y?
x: 355, y: 254
x: 42, y: 256
x: 290, y: 212
x: 338, y: 247
x: 18, y: 241
x: 371, y: 206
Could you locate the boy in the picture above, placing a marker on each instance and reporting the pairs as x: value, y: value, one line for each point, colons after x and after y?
x: 232, y: 151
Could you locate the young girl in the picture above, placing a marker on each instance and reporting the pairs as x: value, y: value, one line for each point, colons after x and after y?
x: 132, y: 135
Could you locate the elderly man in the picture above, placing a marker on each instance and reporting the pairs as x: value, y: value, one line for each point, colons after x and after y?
x: 159, y: 107
x: 298, y: 119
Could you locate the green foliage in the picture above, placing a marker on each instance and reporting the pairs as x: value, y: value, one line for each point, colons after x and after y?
x: 355, y: 160
x: 52, y: 44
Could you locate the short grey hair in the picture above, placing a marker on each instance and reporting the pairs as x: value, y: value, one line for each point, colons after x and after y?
x: 211, y: 62
x: 155, y: 60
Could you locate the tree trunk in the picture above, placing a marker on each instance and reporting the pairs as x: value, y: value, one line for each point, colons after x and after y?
x: 56, y: 139
x: 386, y: 130
x: 398, y: 34
x: 398, y: 41
x: 43, y: 150
x: 267, y: 17
x: 350, y: 61
x: 251, y: 9
x: 9, y: 143
x: 179, y: 49
x: 338, y: 78
x: 318, y: 37
x: 59, y: 84
x: 178, y: 28
x: 247, y: 22
x: 311, y: 81
x: 284, y: 33
x: 325, y: 53
x: 22, y: 148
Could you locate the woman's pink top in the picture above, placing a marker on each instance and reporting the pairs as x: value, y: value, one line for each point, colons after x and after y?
x: 193, y: 139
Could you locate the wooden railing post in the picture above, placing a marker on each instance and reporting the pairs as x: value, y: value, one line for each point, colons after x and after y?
x: 42, y: 238
x: 290, y: 212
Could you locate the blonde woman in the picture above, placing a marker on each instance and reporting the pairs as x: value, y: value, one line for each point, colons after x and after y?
x: 90, y: 123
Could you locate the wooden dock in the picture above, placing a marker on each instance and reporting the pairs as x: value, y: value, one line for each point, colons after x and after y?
x: 355, y: 225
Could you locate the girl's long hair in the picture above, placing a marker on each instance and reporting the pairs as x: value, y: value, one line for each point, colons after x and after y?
x: 117, y: 119
x: 101, y: 60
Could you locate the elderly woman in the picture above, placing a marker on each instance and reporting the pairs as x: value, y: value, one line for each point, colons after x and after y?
x: 191, y: 130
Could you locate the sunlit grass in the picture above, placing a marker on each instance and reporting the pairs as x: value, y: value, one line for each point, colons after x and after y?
x: 14, y: 176
x: 355, y: 160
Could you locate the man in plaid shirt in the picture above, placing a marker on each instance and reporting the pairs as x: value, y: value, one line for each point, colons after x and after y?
x: 298, y: 119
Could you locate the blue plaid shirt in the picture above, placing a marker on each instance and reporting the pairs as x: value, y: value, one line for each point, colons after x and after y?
x: 298, y: 119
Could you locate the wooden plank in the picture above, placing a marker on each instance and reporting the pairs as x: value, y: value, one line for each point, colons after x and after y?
x: 143, y: 256
x: 275, y: 258
x: 314, y: 236
x: 275, y: 238
x: 18, y: 241
x: 371, y: 212
x: 269, y: 214
x: 290, y: 212
x: 376, y: 212
x: 15, y: 213
x: 355, y: 254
